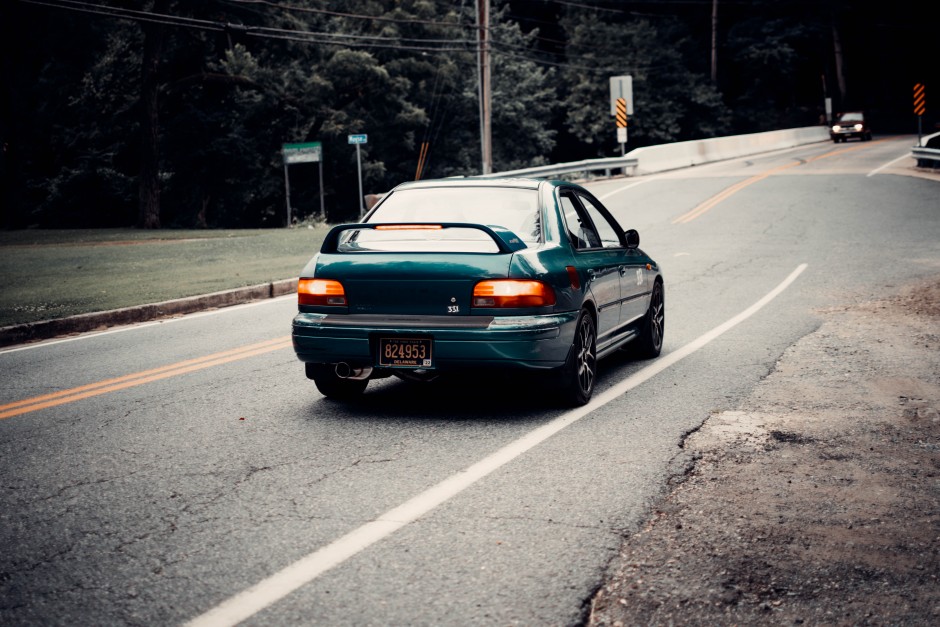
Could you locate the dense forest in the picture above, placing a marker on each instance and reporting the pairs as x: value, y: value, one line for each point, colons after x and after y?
x: 171, y: 113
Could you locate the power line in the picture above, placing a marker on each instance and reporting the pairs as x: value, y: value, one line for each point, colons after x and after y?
x: 130, y: 14
x: 376, y: 18
x: 322, y: 38
x: 336, y: 39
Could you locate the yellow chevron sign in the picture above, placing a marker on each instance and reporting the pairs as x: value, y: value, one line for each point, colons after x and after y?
x: 621, y: 113
x: 920, y: 99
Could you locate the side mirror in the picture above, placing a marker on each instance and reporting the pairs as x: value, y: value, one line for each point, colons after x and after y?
x: 633, y: 239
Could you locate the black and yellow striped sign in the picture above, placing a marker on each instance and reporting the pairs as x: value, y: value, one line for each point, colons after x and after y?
x: 920, y: 99
x: 621, y: 113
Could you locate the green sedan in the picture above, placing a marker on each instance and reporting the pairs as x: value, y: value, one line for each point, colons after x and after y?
x: 453, y: 275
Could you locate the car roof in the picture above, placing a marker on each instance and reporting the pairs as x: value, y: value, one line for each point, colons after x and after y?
x: 459, y: 181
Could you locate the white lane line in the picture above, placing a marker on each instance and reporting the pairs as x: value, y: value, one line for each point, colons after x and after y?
x: 268, y: 591
x: 144, y: 325
x: 890, y: 163
x: 624, y: 188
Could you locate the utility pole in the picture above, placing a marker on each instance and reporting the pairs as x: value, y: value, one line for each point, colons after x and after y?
x: 486, y: 142
x: 837, y: 52
x: 714, y: 42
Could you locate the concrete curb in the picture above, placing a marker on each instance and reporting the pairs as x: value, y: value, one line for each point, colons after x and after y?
x: 46, y: 329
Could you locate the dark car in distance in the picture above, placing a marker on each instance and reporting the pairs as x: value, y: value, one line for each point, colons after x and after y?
x: 848, y: 125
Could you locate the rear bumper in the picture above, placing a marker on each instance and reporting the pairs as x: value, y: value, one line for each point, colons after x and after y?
x: 529, y: 342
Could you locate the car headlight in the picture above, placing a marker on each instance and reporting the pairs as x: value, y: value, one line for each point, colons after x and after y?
x: 858, y: 127
x: 836, y: 128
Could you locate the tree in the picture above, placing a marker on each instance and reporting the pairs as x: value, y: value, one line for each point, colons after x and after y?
x: 671, y: 103
x: 772, y: 54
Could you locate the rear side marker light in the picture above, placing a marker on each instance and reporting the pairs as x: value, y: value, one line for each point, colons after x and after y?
x: 512, y: 293
x: 325, y: 292
x: 573, y: 277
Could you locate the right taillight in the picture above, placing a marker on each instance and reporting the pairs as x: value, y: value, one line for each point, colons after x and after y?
x: 512, y: 293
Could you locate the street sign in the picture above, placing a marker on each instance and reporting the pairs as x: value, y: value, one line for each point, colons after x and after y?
x: 920, y: 99
x: 621, y: 107
x: 621, y: 113
x: 359, y: 139
x: 302, y: 153
x: 621, y: 87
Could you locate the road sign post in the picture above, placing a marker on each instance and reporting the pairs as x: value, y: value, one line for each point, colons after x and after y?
x: 358, y: 140
x: 302, y: 153
x: 621, y: 105
x: 920, y: 107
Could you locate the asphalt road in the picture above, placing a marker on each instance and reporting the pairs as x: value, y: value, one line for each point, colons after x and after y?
x: 186, y: 470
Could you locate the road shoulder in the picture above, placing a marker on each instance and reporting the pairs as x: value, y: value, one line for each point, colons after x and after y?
x: 817, y: 500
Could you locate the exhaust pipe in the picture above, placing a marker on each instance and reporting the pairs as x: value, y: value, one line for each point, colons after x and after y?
x: 345, y: 371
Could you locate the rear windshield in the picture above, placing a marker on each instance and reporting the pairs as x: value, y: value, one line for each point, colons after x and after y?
x: 513, y: 209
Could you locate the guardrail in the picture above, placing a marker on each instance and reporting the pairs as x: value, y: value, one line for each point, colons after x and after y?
x: 677, y: 155
x: 625, y: 163
x: 926, y: 157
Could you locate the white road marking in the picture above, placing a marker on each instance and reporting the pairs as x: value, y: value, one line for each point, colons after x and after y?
x: 270, y: 590
x: 877, y: 170
x: 624, y: 188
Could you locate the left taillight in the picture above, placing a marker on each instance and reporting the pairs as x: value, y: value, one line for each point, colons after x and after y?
x: 512, y: 293
x: 323, y: 292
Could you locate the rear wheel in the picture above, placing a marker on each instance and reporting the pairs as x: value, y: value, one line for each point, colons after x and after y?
x: 332, y: 385
x: 650, y: 342
x: 576, y: 378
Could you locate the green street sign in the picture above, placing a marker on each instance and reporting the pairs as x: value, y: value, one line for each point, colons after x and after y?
x: 302, y: 153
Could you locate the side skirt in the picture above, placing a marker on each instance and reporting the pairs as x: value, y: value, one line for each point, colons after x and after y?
x: 616, y: 343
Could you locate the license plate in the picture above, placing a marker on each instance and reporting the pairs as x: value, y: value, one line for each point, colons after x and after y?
x: 405, y: 352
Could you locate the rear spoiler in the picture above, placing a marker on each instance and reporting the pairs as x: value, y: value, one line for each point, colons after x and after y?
x: 506, y: 240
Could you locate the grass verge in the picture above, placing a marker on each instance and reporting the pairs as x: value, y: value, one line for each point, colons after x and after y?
x: 50, y: 274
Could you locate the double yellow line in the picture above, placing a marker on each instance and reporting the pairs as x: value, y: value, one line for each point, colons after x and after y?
x: 728, y: 192
x: 62, y: 397
x: 734, y: 189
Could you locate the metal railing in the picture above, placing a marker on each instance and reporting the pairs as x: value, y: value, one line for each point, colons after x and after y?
x: 608, y: 164
x: 926, y: 157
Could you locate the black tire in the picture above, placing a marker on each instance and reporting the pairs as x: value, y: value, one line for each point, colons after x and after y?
x: 331, y: 385
x: 575, y: 380
x: 650, y: 342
